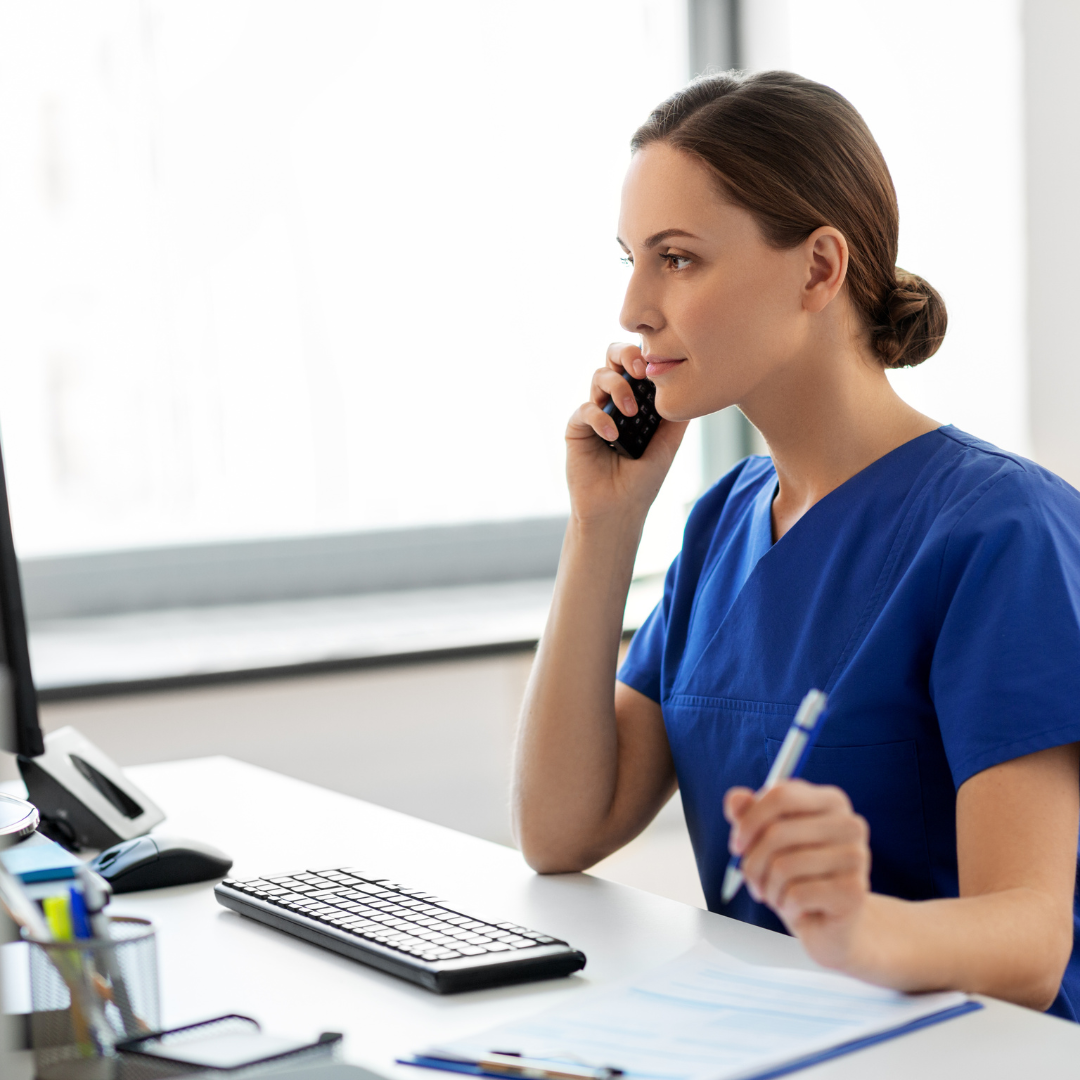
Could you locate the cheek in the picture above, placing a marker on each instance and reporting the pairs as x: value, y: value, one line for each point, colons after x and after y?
x: 736, y: 316
x: 735, y: 332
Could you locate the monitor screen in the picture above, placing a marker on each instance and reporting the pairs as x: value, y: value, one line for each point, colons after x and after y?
x: 14, y: 651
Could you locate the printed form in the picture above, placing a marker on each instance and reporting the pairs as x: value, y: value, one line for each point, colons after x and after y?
x: 708, y: 1016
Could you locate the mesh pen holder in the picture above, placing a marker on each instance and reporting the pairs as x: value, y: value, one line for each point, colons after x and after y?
x: 90, y: 994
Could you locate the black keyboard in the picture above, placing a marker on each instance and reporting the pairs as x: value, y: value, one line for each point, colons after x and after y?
x: 402, y: 931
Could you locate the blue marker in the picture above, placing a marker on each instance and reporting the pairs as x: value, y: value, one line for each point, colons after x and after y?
x: 789, y: 763
x: 80, y: 921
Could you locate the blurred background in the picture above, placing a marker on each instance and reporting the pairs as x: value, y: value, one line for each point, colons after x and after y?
x: 296, y: 298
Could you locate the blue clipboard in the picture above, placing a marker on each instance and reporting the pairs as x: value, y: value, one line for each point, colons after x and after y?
x: 420, y: 1061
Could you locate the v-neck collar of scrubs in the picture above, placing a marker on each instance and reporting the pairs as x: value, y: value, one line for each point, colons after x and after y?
x: 760, y: 540
x: 759, y: 534
x: 750, y: 552
x: 853, y: 481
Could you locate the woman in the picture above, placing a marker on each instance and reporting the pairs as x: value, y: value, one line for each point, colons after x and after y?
x: 929, y: 582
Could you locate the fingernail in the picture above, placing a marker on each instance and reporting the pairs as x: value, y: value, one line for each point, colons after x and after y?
x: 752, y: 889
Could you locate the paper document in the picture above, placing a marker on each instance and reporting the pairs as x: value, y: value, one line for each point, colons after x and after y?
x: 708, y: 1016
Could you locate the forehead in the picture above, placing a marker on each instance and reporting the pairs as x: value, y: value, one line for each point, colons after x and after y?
x: 666, y: 188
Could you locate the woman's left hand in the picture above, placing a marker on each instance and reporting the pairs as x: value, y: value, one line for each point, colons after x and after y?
x: 806, y: 853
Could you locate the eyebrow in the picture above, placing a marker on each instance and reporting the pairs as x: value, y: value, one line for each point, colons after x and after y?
x: 660, y: 237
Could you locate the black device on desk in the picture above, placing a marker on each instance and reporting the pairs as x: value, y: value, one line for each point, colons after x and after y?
x: 154, y: 862
x: 635, y: 431
x: 83, y: 797
x: 399, y: 930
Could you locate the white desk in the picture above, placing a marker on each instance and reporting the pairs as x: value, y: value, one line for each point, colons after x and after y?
x: 214, y: 961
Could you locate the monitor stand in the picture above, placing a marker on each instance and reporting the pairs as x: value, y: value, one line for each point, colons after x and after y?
x: 18, y: 818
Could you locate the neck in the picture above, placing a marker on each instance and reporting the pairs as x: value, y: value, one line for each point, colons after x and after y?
x: 826, y: 418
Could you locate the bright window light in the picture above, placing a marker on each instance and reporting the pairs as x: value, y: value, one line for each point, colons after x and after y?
x: 275, y: 268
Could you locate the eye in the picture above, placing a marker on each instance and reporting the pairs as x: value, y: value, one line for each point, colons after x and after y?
x: 677, y: 262
x: 626, y: 260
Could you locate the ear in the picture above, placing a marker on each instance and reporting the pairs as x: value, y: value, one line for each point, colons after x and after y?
x: 826, y: 253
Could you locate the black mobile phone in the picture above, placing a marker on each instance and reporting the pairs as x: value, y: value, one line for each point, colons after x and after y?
x: 635, y: 431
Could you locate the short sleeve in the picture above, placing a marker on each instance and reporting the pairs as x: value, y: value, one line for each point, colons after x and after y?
x: 641, y: 669
x: 1005, y: 674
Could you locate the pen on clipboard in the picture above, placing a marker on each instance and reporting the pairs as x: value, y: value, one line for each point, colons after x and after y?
x: 789, y: 763
x: 509, y: 1063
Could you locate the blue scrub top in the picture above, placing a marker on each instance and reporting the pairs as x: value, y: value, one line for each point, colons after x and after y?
x: 935, y: 596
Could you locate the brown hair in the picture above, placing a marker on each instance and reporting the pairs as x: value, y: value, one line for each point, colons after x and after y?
x: 797, y: 155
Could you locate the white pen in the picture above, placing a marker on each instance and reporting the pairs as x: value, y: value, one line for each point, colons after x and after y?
x: 788, y: 764
x: 21, y: 908
x: 96, y: 895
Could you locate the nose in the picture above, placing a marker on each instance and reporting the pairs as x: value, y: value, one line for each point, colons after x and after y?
x: 640, y: 312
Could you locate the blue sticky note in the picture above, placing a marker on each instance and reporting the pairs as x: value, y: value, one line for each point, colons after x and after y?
x: 38, y: 859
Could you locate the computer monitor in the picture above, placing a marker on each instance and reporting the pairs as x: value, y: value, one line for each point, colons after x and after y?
x: 24, y: 738
x: 83, y: 797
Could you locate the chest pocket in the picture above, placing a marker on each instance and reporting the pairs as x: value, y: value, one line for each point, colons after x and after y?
x: 882, y: 781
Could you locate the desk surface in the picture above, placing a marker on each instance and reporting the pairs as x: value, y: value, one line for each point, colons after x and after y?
x: 214, y: 961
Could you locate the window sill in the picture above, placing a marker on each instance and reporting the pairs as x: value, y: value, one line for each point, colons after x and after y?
x: 157, y: 650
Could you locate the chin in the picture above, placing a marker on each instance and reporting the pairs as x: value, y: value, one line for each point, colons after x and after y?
x: 679, y: 405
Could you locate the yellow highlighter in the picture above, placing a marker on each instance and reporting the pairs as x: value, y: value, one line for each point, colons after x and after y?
x: 58, y: 916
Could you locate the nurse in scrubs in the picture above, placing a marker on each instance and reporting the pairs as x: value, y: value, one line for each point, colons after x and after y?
x: 926, y: 580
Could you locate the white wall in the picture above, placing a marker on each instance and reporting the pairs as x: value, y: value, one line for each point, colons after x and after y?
x: 1052, y: 33
x: 940, y: 84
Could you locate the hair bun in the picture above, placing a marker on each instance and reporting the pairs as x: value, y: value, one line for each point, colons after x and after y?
x: 912, y: 323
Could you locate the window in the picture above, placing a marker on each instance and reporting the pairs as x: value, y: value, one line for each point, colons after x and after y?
x: 283, y: 269
x: 290, y: 268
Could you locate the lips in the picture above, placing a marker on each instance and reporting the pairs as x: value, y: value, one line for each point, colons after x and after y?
x: 659, y: 365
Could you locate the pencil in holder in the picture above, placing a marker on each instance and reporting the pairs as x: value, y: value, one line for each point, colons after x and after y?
x: 87, y: 995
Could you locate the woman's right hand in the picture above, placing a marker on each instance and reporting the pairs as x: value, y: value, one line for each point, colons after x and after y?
x: 601, y: 481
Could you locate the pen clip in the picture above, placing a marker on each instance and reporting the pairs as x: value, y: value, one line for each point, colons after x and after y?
x: 811, y: 738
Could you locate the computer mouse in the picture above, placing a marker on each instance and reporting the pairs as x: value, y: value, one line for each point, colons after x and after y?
x: 155, y: 862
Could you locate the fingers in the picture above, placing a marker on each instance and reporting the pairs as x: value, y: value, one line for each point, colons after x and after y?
x: 589, y: 419
x: 736, y: 802
x: 609, y: 385
x: 786, y: 799
x: 791, y: 868
x: 833, y: 897
x: 804, y: 849
x: 624, y: 357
